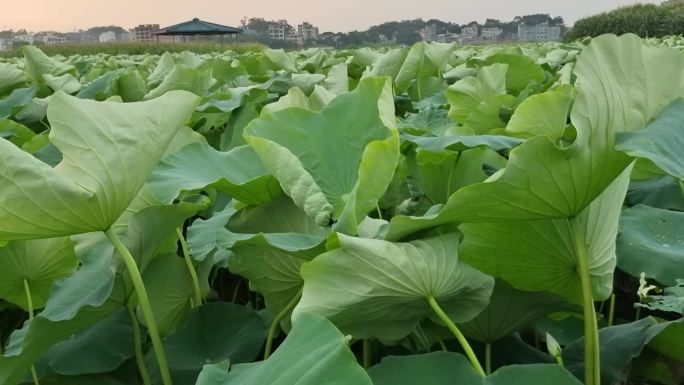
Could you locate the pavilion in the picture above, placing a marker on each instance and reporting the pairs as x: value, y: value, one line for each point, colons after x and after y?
x: 197, y: 27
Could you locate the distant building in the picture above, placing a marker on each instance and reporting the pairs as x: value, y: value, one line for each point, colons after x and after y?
x: 280, y: 30
x: 144, y: 33
x: 429, y: 33
x: 27, y: 38
x: 106, y: 37
x: 50, y: 38
x: 307, y: 31
x: 491, y: 33
x: 5, y: 44
x: 472, y: 29
x: 539, y: 32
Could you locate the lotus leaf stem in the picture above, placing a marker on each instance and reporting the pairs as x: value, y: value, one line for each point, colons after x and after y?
x: 29, y: 306
x: 457, y: 333
x: 276, y: 322
x: 137, y: 340
x: 191, y: 269
x: 145, y: 306
x: 488, y: 358
x: 366, y: 354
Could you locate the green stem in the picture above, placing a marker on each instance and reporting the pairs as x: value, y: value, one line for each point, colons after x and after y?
x: 29, y: 305
x: 137, y: 340
x: 377, y: 207
x: 611, y: 310
x: 366, y: 354
x: 592, y: 358
x: 638, y: 313
x: 191, y: 268
x: 457, y: 333
x: 276, y: 322
x: 488, y: 358
x: 145, y: 306
x: 559, y: 359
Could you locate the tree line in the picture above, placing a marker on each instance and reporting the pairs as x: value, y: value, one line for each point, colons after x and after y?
x: 645, y: 20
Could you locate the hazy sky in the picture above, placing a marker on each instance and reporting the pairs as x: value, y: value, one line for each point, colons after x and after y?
x: 338, y: 15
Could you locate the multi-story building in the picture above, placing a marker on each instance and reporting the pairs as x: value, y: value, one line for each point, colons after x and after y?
x: 491, y: 33
x: 106, y: 37
x: 50, y: 38
x: 307, y: 31
x: 27, y: 38
x: 144, y: 32
x: 538, y: 32
x: 5, y: 44
x: 472, y: 29
x: 280, y: 30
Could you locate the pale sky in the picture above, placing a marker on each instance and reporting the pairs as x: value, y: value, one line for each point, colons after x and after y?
x: 338, y: 15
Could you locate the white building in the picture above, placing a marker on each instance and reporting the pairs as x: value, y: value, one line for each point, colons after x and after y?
x: 5, y: 44
x: 28, y: 38
x: 106, y: 37
x: 491, y: 33
x: 539, y: 32
x: 280, y: 30
x: 307, y: 31
x: 472, y: 29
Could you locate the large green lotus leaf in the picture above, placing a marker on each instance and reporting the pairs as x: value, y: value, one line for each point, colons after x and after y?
x: 619, y: 345
x: 15, y: 132
x: 623, y: 85
x: 670, y: 341
x: 213, y: 333
x: 374, y: 288
x: 651, y: 242
x: 238, y: 173
x: 461, y: 142
x: 38, y: 336
x: 295, y: 146
x: 183, y: 78
x: 272, y: 273
x: 522, y: 70
x: 279, y: 225
x: 37, y: 64
x: 102, y: 88
x: 170, y: 302
x: 163, y: 67
x: 487, y: 117
x: 100, y: 348
x: 11, y: 77
x: 295, y: 97
x: 664, y: 193
x: 390, y: 63
x: 19, y: 98
x: 542, y: 114
x: 314, y: 353
x: 440, y: 54
x: 509, y: 311
x: 542, y: 255
x: 131, y: 86
x: 467, y: 94
x: 38, y: 263
x: 439, y: 178
x: 90, y: 286
x: 66, y: 82
x: 416, y: 68
x: 662, y: 142
x: 444, y: 368
x: 109, y: 150
x: 545, y: 181
x: 280, y: 59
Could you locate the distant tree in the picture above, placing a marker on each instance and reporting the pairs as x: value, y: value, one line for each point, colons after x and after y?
x: 99, y: 30
x: 537, y: 18
x: 645, y: 20
x: 257, y: 24
x: 491, y: 23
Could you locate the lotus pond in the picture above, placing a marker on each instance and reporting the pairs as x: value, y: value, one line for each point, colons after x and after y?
x: 433, y: 215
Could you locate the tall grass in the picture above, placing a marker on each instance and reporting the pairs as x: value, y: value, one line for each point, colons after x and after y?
x: 133, y: 48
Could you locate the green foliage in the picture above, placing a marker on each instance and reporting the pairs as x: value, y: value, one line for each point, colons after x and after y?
x: 645, y: 20
x: 349, y: 211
